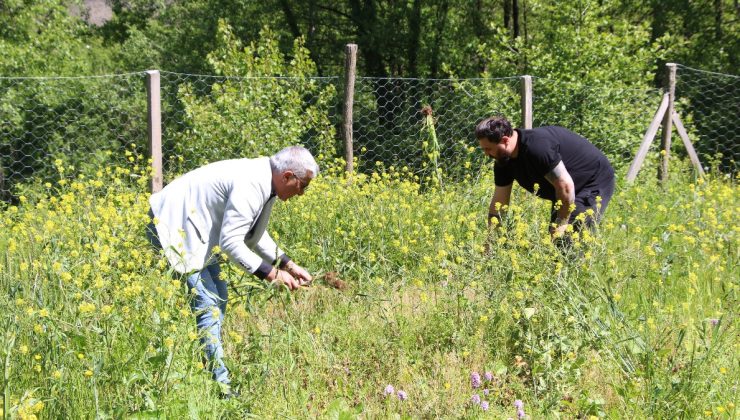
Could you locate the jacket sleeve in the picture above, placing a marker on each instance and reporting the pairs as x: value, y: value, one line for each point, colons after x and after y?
x: 267, y: 248
x: 240, y: 214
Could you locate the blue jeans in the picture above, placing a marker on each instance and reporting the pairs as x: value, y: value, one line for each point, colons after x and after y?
x: 208, y: 303
x: 208, y: 297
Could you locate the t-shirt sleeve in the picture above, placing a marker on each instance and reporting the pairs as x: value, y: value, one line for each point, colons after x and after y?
x: 501, y: 176
x: 545, y: 155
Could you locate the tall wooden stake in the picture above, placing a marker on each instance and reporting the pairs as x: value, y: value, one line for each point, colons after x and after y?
x: 154, y: 111
x: 350, y: 61
x: 526, y: 95
x: 665, y: 144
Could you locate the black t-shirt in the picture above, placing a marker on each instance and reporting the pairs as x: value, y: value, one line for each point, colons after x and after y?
x: 541, y: 149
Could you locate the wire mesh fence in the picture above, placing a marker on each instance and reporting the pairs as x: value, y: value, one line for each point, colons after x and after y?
x: 208, y: 118
x: 79, y: 123
x: 86, y: 123
x: 612, y: 118
x: 428, y: 124
x: 709, y: 105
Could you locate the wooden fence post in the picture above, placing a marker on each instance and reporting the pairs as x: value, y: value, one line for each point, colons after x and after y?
x: 647, y: 139
x: 526, y: 96
x: 687, y: 143
x: 665, y: 144
x: 350, y: 62
x: 154, y: 112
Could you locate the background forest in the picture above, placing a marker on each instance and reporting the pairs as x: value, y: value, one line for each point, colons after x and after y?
x: 585, y: 40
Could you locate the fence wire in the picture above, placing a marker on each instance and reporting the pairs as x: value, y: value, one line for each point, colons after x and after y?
x: 612, y: 118
x: 87, y: 123
x: 80, y: 123
x: 209, y: 118
x: 709, y: 106
x: 425, y: 124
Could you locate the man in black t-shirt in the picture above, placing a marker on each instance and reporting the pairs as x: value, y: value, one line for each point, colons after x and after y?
x: 551, y: 162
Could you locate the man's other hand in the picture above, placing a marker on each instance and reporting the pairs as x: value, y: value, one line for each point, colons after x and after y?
x: 558, y: 231
x: 299, y: 273
x: 283, y: 277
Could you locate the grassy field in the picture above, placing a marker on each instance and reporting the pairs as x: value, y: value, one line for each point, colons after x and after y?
x: 639, y: 320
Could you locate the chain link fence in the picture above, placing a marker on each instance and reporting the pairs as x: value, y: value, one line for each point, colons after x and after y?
x: 612, y: 118
x: 87, y: 123
x: 209, y: 118
x: 709, y: 106
x: 426, y: 125
x: 80, y: 123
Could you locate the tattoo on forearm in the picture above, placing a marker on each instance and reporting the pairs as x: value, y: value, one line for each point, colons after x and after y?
x: 556, y: 173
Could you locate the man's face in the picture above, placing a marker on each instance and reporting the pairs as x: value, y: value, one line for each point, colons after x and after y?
x: 498, y: 151
x: 292, y: 185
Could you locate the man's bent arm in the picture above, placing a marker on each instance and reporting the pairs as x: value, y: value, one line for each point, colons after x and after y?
x: 501, y: 197
x: 565, y: 192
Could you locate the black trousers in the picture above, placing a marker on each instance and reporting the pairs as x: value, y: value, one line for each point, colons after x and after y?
x: 586, y: 199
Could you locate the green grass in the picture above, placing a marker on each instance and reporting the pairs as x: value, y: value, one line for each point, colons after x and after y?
x: 639, y: 320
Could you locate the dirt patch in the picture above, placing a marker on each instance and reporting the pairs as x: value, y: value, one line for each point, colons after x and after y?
x: 332, y: 280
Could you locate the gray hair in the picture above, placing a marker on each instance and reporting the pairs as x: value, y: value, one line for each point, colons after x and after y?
x: 296, y: 159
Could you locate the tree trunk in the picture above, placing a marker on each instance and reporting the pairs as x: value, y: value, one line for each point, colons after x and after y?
x: 525, y: 64
x: 414, y: 36
x: 515, y: 18
x: 507, y: 14
x: 658, y: 28
x: 718, y: 20
x: 441, y: 24
x: 290, y: 18
x: 311, y: 43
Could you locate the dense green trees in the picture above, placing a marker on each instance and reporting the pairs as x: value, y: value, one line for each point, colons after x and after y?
x: 410, y: 39
x: 253, y: 114
x: 596, y: 65
x: 434, y: 38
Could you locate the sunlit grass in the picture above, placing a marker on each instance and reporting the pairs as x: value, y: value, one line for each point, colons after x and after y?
x: 639, y: 320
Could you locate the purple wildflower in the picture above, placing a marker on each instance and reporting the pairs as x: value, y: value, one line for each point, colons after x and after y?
x: 519, y: 404
x: 475, y: 380
x: 484, y: 405
x: 520, y: 413
x: 714, y: 321
x: 486, y: 391
x: 475, y: 399
x: 488, y: 376
x: 402, y: 395
x: 389, y: 390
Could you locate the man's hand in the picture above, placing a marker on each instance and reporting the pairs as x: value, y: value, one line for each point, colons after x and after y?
x: 282, y: 277
x: 303, y: 276
x: 558, y: 231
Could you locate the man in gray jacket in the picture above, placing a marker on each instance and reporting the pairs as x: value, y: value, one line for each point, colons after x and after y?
x: 226, y: 205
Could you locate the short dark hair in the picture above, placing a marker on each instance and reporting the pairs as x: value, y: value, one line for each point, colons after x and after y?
x: 494, y: 128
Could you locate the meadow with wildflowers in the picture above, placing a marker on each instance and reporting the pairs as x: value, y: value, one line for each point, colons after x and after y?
x: 638, y: 319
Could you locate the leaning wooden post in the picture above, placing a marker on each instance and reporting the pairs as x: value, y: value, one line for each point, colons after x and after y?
x: 665, y: 144
x: 647, y: 140
x: 350, y: 61
x: 687, y: 143
x: 526, y: 96
x: 154, y: 111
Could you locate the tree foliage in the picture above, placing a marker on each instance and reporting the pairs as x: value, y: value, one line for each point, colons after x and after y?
x: 41, y: 37
x: 251, y: 113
